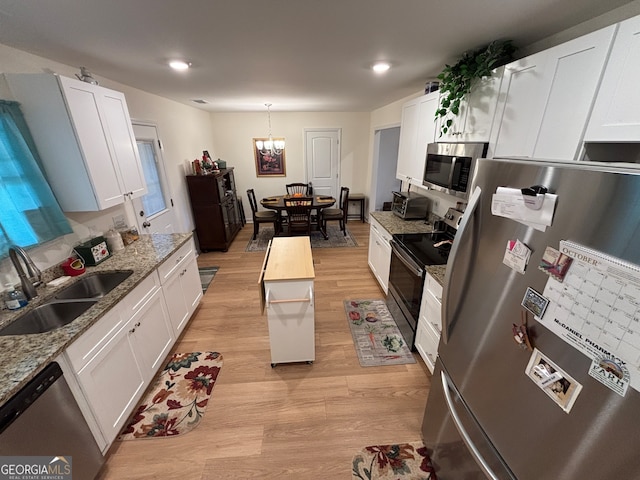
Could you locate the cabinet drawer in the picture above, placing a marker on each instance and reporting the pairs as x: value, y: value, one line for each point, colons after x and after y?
x: 434, y: 288
x: 427, y: 345
x: 93, y: 340
x: 383, y: 232
x: 130, y: 304
x: 172, y: 263
x: 433, y: 312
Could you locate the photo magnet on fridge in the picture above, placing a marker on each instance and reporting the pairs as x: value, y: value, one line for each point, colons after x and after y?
x: 534, y: 302
x: 554, y: 263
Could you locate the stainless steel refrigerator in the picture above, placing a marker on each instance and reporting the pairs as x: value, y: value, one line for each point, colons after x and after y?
x: 485, y: 416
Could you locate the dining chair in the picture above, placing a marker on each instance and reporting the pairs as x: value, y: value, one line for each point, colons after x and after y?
x: 261, y: 216
x: 303, y: 188
x: 339, y: 213
x: 299, y: 214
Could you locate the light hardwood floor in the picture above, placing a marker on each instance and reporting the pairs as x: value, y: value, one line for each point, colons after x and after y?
x: 295, y: 421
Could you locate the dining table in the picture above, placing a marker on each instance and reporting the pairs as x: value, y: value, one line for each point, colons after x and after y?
x: 320, y: 202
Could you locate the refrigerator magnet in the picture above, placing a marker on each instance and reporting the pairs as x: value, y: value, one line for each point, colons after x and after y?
x: 552, y: 380
x: 516, y: 256
x: 554, y: 263
x: 534, y: 302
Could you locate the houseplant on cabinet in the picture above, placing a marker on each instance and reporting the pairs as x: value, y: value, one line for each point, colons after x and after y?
x: 456, y: 81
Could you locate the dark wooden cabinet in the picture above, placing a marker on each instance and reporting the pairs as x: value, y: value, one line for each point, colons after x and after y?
x: 214, y: 205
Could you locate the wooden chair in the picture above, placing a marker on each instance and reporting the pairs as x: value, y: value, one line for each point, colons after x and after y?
x: 339, y: 214
x: 262, y: 216
x: 299, y: 214
x: 303, y: 188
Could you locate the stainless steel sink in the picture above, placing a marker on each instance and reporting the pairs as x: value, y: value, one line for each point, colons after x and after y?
x: 95, y: 285
x: 47, y: 317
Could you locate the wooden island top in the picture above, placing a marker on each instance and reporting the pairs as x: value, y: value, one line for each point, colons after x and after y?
x: 289, y: 258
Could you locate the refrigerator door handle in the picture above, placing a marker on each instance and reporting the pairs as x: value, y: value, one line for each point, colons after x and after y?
x: 463, y: 433
x: 474, y: 201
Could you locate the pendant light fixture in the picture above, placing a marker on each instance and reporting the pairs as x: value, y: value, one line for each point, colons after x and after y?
x: 271, y: 146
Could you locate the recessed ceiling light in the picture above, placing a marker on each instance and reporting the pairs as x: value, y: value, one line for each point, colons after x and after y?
x: 179, y: 64
x: 381, y: 67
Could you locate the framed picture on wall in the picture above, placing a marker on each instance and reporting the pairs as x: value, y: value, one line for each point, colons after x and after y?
x: 270, y: 161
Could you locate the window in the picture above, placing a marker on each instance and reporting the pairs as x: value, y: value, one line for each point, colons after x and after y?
x: 30, y: 214
x: 153, y: 201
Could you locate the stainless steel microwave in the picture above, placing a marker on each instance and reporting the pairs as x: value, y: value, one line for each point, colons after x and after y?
x: 449, y: 166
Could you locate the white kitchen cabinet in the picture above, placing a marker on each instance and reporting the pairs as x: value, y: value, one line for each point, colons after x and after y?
x: 429, y: 322
x: 287, y: 285
x: 477, y: 111
x: 116, y: 359
x: 85, y: 139
x: 616, y: 116
x: 181, y: 285
x: 417, y: 130
x: 546, y: 98
x: 379, y: 252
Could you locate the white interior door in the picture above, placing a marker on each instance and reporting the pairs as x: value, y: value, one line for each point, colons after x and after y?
x: 154, y: 211
x: 322, y: 156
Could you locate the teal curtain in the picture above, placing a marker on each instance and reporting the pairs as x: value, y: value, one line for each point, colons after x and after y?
x: 29, y: 212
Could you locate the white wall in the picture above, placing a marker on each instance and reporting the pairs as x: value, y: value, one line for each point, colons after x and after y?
x: 185, y: 132
x: 233, y: 134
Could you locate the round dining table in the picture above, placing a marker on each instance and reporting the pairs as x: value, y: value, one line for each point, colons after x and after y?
x: 320, y: 202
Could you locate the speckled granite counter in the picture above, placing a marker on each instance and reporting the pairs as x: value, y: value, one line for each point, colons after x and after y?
x: 437, y: 272
x: 394, y: 224
x: 23, y: 356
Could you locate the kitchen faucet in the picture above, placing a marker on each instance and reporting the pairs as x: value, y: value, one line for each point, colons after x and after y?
x: 34, y: 278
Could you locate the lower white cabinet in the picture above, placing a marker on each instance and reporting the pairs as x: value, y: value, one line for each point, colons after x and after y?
x: 287, y: 286
x: 116, y: 359
x: 181, y: 285
x: 429, y: 322
x: 379, y: 253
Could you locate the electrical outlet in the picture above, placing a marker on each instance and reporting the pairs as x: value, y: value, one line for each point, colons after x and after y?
x: 119, y: 222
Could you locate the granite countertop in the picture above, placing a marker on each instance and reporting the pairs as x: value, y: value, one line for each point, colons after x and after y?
x: 23, y: 356
x: 394, y: 224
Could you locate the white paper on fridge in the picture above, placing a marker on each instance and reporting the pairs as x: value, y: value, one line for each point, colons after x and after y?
x: 516, y: 256
x: 509, y: 203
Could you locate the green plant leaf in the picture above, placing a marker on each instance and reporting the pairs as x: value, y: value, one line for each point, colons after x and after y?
x: 456, y: 81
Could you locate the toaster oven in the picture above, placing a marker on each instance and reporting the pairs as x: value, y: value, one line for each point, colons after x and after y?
x: 409, y: 205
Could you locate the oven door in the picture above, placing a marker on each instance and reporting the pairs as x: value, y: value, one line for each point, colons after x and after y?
x: 406, y: 282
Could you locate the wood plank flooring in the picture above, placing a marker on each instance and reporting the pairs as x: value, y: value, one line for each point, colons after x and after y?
x: 295, y: 421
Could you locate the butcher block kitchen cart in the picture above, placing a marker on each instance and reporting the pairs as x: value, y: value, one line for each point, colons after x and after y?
x: 286, y: 284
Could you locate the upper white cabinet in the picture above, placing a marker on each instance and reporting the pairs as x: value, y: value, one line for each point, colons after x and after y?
x: 475, y: 118
x: 417, y: 129
x: 616, y: 116
x: 545, y: 99
x: 84, y: 136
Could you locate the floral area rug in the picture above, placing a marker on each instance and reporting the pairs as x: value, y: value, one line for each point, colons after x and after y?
x: 376, y: 336
x: 403, y: 461
x: 176, y: 402
x: 336, y: 238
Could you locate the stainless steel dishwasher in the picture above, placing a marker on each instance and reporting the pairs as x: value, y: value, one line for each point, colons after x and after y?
x: 43, y: 419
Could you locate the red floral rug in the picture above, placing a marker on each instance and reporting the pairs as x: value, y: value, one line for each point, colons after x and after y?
x: 403, y: 461
x: 177, y: 401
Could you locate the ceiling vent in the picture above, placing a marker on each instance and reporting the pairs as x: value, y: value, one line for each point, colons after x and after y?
x: 200, y: 101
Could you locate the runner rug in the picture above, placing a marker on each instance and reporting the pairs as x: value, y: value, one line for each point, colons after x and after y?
x: 376, y: 336
x: 206, y: 276
x: 403, y: 461
x: 336, y: 239
x: 176, y: 402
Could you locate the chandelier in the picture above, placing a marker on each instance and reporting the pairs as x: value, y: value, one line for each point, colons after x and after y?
x: 270, y: 146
